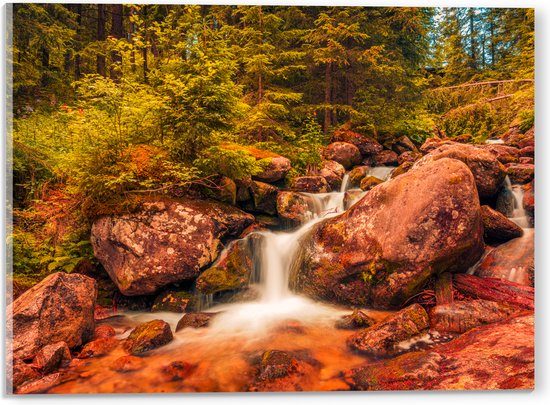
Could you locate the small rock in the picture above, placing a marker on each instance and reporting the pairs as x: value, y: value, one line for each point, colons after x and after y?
x: 505, y: 154
x: 528, y: 151
x: 51, y: 357
x: 529, y: 198
x: 385, y: 158
x: 22, y: 373
x: 526, y: 160
x: 127, y: 364
x: 173, y: 301
x: 381, y: 339
x: 44, y: 384
x: 345, y: 153
x: 276, y: 169
x: 104, y: 331
x: 293, y: 207
x: 98, y: 347
x: 148, y: 336
x: 498, y: 228
x: 356, y: 320
x: 310, y: 184
x: 409, y: 157
x: 178, y: 370
x: 195, y: 320
x: 370, y: 182
x: 357, y: 174
x: 333, y: 172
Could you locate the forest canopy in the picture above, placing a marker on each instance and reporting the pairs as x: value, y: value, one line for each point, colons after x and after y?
x: 111, y: 101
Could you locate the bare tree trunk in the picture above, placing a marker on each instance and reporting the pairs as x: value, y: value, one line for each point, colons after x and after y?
x: 117, y: 31
x: 144, y: 49
x: 77, y: 58
x: 100, y: 61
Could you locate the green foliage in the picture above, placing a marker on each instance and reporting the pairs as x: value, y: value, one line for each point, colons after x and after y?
x: 235, y: 164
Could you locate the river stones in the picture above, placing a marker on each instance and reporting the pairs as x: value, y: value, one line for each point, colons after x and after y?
x: 369, y: 182
x: 498, y: 228
x: 383, y: 249
x: 356, y: 320
x: 495, y: 356
x: 504, y: 153
x: 461, y: 316
x: 310, y: 184
x: 385, y: 158
x: 293, y: 207
x: 174, y: 301
x: 51, y: 357
x: 408, y: 157
x: 164, y: 242
x: 195, y: 320
x: 520, y: 173
x: 365, y: 144
x: 148, y: 336
x: 333, y: 172
x: 58, y: 309
x: 382, y: 338
x: 126, y: 364
x: 488, y: 172
x: 357, y: 174
x: 345, y: 153
x: 98, y: 347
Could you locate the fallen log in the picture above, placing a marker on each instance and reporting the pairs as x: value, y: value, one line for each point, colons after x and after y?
x: 494, y: 289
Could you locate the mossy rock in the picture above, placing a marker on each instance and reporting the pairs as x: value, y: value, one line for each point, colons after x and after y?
x: 174, y: 301
x: 148, y: 336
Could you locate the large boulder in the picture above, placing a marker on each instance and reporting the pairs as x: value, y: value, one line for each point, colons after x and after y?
x: 344, y: 153
x: 357, y: 174
x: 520, y: 173
x: 333, y: 172
x: 488, y: 172
x: 58, y: 309
x: 383, y: 249
x: 498, y: 228
x: 166, y: 241
x: 504, y: 154
x: 148, y: 336
x: 293, y: 208
x: 365, y: 144
x: 264, y: 198
x: 385, y: 158
x: 512, y: 261
x: 275, y: 169
x: 310, y: 184
x: 495, y: 356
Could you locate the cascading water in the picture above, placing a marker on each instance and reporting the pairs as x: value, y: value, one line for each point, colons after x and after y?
x: 518, y: 215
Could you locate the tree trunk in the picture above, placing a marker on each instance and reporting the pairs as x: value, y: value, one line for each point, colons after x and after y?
x: 328, y: 85
x: 77, y: 58
x: 100, y: 61
x: 117, y: 31
x: 473, y: 44
x: 131, y: 39
x: 45, y: 56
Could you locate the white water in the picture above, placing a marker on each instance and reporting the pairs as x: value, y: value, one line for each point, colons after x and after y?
x: 519, y: 215
x: 381, y: 172
x: 494, y: 141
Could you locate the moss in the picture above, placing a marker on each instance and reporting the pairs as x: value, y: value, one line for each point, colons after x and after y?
x: 455, y: 180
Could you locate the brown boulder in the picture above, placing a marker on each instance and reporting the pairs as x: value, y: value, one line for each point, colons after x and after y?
x: 333, y: 172
x: 526, y: 161
x: 104, y: 331
x: 404, y: 145
x: 504, y: 154
x: 495, y: 356
x: 408, y: 157
x: 498, y: 228
x: 528, y: 151
x: 310, y: 184
x: 21, y: 373
x: 293, y: 208
x: 177, y: 370
x: 369, y: 182
x: 275, y: 169
x: 357, y: 174
x: 365, y: 144
x: 488, y: 172
x: 264, y: 198
x: 58, y: 309
x: 520, y: 173
x: 51, y: 357
x: 167, y: 241
x: 385, y: 158
x: 195, y: 320
x: 148, y: 336
x: 461, y: 316
x: 433, y: 143
x: 382, y: 338
x: 512, y: 261
x: 344, y: 153
x: 382, y: 250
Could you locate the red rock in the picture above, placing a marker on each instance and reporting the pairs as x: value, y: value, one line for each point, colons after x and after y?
x: 148, y: 336
x: 276, y: 169
x: 404, y: 145
x: 356, y: 320
x: 520, y: 173
x: 127, y: 364
x: 58, y: 309
x: 369, y: 182
x: 382, y: 338
x: 528, y: 151
x: 98, y: 347
x: 293, y: 207
x: 174, y: 301
x: 357, y: 174
x: 333, y: 172
x: 195, y: 320
x: 488, y: 172
x: 310, y: 184
x: 44, y: 384
x: 526, y: 161
x: 495, y: 356
x: 496, y: 227
x: 104, y: 331
x: 51, y: 357
x: 21, y: 373
x: 385, y: 158
x: 504, y: 154
x: 381, y: 251
x: 264, y: 198
x: 344, y: 153
x: 461, y: 316
x: 365, y: 144
x: 409, y: 157
x: 165, y: 242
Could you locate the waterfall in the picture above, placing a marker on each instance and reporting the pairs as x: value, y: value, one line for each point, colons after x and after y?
x: 381, y: 172
x: 518, y: 215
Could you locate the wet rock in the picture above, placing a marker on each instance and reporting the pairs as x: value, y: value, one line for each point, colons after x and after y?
x: 45, y: 383
x: 529, y: 198
x: 126, y: 364
x: 381, y: 251
x: 369, y: 182
x: 365, y: 144
x: 195, y: 320
x: 333, y: 172
x: 461, y: 316
x: 404, y: 145
x: 231, y: 272
x: 264, y: 198
x: 433, y: 143
x: 402, y: 168
x: 505, y: 201
x: 166, y: 241
x: 293, y: 207
x: 488, y: 172
x: 495, y: 356
x: 21, y: 373
x: 178, y: 370
x: 512, y: 261
x: 104, y: 331
x: 498, y: 228
x: 224, y: 190
x: 51, y: 357
x: 409, y: 157
x: 504, y: 154
x: 98, y: 347
x: 148, y: 336
x: 356, y: 320
x: 519, y: 140
x: 520, y: 173
x: 357, y: 174
x: 385, y: 158
x: 58, y: 309
x: 276, y: 168
x: 528, y: 151
x: 351, y: 197
x: 381, y: 339
x: 283, y: 371
x: 310, y: 184
x: 344, y: 153
x: 526, y: 160
x: 174, y: 301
